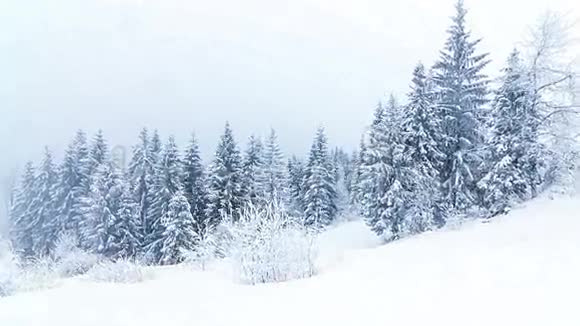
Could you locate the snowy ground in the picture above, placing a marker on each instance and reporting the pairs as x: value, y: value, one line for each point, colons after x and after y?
x: 521, y: 269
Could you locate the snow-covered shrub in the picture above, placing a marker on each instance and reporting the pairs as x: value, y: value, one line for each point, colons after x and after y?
x: 9, y: 269
x: 121, y: 271
x: 70, y: 260
x: 36, y: 275
x: 266, y: 245
x: 207, y: 248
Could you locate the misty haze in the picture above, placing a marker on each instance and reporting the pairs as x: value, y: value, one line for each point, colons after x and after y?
x: 307, y: 162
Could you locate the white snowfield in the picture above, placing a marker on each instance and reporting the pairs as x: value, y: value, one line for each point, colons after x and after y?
x: 519, y: 269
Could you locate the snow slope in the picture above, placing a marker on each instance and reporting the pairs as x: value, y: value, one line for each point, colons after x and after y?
x: 520, y: 269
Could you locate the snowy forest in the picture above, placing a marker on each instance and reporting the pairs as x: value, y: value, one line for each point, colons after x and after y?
x: 460, y: 145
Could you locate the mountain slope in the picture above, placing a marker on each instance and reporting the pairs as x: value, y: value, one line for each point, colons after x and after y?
x: 518, y: 269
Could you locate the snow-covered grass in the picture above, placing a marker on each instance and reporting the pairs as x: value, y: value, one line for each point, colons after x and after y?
x: 16, y: 276
x: 517, y: 269
x: 8, y: 269
x: 121, y: 271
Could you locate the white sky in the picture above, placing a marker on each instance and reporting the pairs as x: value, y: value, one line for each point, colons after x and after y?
x: 184, y: 66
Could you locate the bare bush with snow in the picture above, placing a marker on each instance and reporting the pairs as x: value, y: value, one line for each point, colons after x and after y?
x: 70, y: 260
x: 121, y: 271
x: 266, y: 245
x: 8, y: 269
x: 207, y: 249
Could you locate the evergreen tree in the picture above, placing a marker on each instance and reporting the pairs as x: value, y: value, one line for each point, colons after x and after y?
x: 513, y: 145
x: 21, y: 213
x: 319, y: 185
x: 462, y: 90
x: 167, y: 183
x: 194, y: 185
x: 275, y: 177
x: 420, y: 136
x: 384, y: 180
x: 296, y: 179
x: 343, y: 170
x: 44, y: 226
x: 73, y: 184
x: 179, y: 234
x: 141, y: 177
x: 99, y: 152
x: 253, y: 171
x: 226, y: 195
x: 127, y: 237
x: 100, y: 207
x: 355, y: 187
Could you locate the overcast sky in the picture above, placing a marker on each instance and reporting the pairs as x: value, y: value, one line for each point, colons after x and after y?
x: 188, y: 65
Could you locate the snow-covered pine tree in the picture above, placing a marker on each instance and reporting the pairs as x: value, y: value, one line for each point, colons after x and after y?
x: 141, y: 177
x: 296, y: 180
x: 194, y: 185
x: 355, y: 187
x: 253, y: 171
x: 167, y: 184
x: 100, y: 208
x: 21, y: 214
x: 127, y: 237
x: 44, y: 226
x: 226, y: 195
x: 155, y: 154
x: 275, y: 177
x: 393, y: 112
x: 420, y: 136
x: 179, y: 235
x: 99, y: 152
x: 343, y: 169
x: 384, y: 180
x: 73, y: 184
x: 462, y: 91
x: 319, y: 184
x: 513, y: 145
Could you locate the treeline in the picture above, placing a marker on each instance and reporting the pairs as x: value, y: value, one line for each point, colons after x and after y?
x: 457, y: 146
x: 165, y: 201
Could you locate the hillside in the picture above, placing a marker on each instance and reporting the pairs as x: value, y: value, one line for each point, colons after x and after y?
x: 519, y: 269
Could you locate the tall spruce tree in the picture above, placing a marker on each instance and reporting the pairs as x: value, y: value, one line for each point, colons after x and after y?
x: 179, y: 234
x: 99, y: 153
x: 462, y: 91
x: 295, y: 183
x: 73, y: 184
x: 194, y: 185
x: 420, y: 136
x: 513, y: 145
x: 275, y: 178
x: 127, y: 236
x: 384, y: 181
x: 100, y: 208
x: 355, y: 187
x: 21, y: 213
x: 141, y: 177
x: 253, y: 171
x: 167, y: 183
x: 319, y: 184
x: 44, y: 226
x: 226, y: 195
x: 155, y: 156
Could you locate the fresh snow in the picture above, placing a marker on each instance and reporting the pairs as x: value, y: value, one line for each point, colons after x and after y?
x: 518, y: 269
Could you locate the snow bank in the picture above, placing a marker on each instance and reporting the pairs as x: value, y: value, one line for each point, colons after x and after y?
x: 519, y: 269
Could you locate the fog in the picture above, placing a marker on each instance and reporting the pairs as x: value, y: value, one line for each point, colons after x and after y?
x: 188, y: 66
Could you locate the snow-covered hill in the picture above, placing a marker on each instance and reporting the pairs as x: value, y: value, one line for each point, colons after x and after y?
x: 519, y: 269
